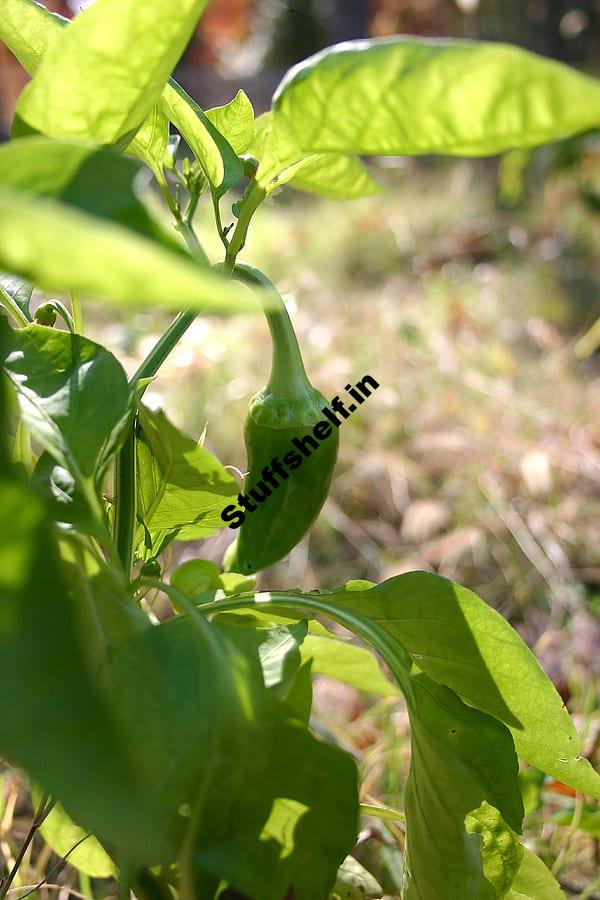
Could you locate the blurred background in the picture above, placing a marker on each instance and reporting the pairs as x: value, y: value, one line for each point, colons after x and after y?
x: 470, y: 290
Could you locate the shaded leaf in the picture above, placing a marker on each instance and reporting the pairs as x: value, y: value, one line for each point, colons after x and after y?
x: 73, y: 395
x: 460, y: 758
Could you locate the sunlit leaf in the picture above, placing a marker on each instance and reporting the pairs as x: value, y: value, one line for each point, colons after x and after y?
x: 73, y: 395
x: 59, y: 248
x: 452, y: 634
x: 409, y: 96
x: 91, y: 85
x: 215, y: 155
x: 235, y: 121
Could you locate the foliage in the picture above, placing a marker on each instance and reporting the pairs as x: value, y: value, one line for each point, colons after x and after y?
x: 185, y: 744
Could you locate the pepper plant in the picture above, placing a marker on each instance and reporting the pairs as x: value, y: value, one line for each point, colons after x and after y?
x: 183, y: 748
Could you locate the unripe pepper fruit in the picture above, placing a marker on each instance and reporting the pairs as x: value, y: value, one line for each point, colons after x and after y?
x: 288, y: 407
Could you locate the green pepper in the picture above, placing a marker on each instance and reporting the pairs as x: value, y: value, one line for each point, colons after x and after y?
x: 291, y: 448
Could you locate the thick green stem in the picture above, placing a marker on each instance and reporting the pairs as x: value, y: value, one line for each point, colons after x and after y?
x: 288, y: 376
x: 125, y: 487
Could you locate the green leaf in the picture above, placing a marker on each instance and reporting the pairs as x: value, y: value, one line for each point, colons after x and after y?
x: 61, y: 834
x: 458, y: 640
x: 29, y: 30
x: 235, y: 121
x: 501, y: 851
x: 408, y: 96
x: 328, y: 174
x: 275, y: 651
x: 295, y: 818
x: 460, y: 757
x: 151, y: 142
x: 334, y: 656
x: 73, y: 395
x: 334, y: 175
x: 179, y: 482
x: 213, y: 152
x: 176, y: 694
x: 17, y: 291
x: 60, y: 249
x: 82, y: 759
x: 63, y: 498
x: 534, y: 881
x: 354, y: 882
x: 201, y: 580
x: 91, y: 85
x: 98, y: 182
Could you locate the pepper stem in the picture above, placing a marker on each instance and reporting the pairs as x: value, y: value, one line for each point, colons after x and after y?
x: 288, y: 376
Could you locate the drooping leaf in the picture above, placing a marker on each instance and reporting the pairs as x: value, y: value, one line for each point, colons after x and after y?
x: 534, y: 881
x: 336, y: 657
x: 61, y: 249
x: 235, y: 121
x: 17, y: 291
x: 460, y: 758
x: 214, y: 153
x: 458, y: 640
x: 102, y: 78
x: 176, y: 696
x: 408, y: 96
x: 298, y: 802
x: 179, y: 482
x: 73, y: 395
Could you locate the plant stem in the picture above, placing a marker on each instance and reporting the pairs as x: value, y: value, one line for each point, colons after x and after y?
x: 77, y: 313
x: 159, y: 353
x: 288, y: 374
x: 125, y: 503
x: 12, y: 308
x: 46, y: 805
x: 125, y: 487
x: 251, y: 202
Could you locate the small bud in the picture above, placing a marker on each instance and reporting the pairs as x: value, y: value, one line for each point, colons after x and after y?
x: 151, y: 568
x: 45, y: 314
